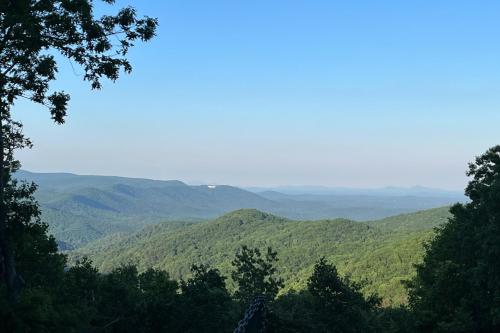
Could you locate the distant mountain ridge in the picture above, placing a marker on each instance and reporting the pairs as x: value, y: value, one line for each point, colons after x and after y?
x: 416, y: 191
x: 81, y: 209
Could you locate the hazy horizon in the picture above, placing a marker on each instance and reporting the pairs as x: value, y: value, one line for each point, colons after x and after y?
x: 254, y: 187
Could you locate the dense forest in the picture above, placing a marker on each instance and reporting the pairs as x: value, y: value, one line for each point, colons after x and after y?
x: 455, y: 286
x: 381, y: 253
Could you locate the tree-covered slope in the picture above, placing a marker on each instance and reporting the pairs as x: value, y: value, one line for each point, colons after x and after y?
x: 80, y: 209
x: 418, y: 221
x: 383, y: 255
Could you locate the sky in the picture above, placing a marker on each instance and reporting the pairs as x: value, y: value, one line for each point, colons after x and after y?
x: 283, y: 92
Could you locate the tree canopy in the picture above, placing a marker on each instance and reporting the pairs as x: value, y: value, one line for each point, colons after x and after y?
x: 457, y: 287
x: 255, y: 274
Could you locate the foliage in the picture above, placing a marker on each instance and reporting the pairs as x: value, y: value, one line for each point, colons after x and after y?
x: 40, y: 268
x: 125, y: 300
x: 31, y: 29
x: 255, y: 274
x: 24, y: 235
x: 207, y: 305
x: 340, y: 296
x: 330, y: 304
x: 382, y: 256
x: 457, y: 287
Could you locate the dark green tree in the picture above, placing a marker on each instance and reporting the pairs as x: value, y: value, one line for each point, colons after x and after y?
x: 158, y: 310
x: 31, y: 32
x: 38, y: 260
x: 457, y: 287
x: 119, y: 297
x: 255, y: 274
x: 339, y: 304
x: 79, y: 295
x: 293, y: 312
x: 331, y: 303
x: 206, y: 303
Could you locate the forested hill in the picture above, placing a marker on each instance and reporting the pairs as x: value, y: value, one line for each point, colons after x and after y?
x: 81, y: 209
x: 382, y: 252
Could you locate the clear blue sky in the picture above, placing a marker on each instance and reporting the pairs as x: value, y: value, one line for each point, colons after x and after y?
x: 336, y: 93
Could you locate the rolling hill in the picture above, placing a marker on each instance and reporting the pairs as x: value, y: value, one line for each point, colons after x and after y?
x: 81, y: 209
x: 382, y: 252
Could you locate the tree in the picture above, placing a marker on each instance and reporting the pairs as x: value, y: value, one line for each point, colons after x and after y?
x: 255, y: 274
x: 457, y: 287
x: 36, y: 255
x: 31, y: 32
x: 339, y: 304
x: 158, y: 311
x: 206, y: 303
x: 330, y: 303
x: 35, y: 251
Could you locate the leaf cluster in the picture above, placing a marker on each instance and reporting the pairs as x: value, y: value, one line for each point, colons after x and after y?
x: 31, y: 32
